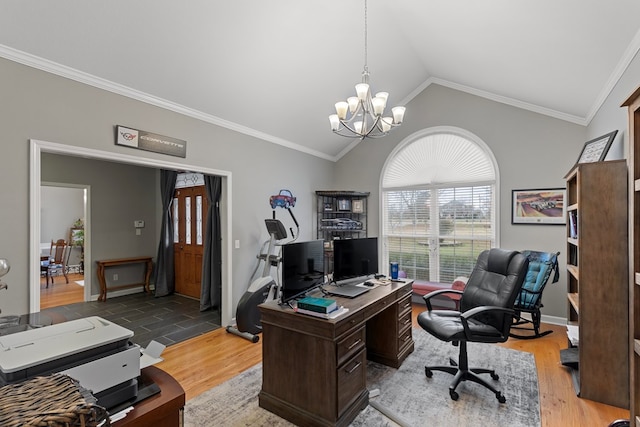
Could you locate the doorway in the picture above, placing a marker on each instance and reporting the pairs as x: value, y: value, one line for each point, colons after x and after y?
x: 63, y: 207
x: 37, y: 147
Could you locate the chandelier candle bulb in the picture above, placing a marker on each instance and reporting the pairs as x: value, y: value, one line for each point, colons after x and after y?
x: 335, y: 121
x: 353, y: 103
x: 398, y: 114
x: 362, y: 90
x: 341, y: 109
x: 378, y: 105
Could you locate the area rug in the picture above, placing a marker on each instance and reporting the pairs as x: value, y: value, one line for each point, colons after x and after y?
x: 411, y: 397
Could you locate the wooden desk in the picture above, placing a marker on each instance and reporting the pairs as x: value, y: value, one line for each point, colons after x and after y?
x: 161, y: 410
x: 102, y: 265
x: 314, y: 370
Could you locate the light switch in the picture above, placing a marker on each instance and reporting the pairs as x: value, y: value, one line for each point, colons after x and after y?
x: 138, y: 223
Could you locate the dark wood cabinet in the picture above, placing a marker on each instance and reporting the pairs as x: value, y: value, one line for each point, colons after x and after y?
x: 340, y: 215
x: 597, y: 278
x: 633, y: 159
x: 314, y: 370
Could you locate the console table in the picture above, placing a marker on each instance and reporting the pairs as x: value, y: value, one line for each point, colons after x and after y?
x: 103, y: 264
x: 164, y: 409
x: 314, y: 370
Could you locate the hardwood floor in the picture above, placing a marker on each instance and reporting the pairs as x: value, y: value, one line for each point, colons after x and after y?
x: 210, y: 359
x: 61, y: 293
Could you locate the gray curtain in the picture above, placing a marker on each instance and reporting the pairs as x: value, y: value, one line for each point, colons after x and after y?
x: 164, y: 275
x: 211, y: 289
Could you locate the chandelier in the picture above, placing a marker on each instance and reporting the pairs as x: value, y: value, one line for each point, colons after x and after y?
x: 362, y: 116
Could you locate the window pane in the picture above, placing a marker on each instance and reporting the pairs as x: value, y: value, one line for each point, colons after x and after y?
x: 199, y: 220
x: 407, y: 231
x: 176, y: 231
x: 187, y: 219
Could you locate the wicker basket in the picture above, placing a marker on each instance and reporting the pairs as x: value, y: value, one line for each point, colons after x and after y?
x: 50, y: 401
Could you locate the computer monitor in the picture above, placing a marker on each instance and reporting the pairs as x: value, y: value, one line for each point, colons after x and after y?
x: 354, y: 258
x: 302, y: 268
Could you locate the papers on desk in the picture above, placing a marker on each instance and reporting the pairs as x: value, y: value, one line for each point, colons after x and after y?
x: 151, y: 354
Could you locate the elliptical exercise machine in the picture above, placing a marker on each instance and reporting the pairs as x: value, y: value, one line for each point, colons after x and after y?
x: 264, y: 288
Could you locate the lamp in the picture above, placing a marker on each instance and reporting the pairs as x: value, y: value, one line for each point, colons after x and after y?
x: 362, y: 116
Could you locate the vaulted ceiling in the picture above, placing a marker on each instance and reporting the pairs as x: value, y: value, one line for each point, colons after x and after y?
x: 274, y: 69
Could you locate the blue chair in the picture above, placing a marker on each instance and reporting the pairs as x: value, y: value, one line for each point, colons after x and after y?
x: 541, y: 266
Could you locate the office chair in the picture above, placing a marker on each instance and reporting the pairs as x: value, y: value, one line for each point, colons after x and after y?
x: 541, y: 265
x: 485, y: 316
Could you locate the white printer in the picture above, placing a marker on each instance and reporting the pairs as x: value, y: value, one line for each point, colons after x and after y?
x: 94, y: 351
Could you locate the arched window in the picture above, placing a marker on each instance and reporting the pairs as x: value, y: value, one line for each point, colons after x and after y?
x: 438, y: 193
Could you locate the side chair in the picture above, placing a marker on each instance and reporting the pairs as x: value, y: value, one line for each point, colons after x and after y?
x: 56, y: 261
x: 485, y: 316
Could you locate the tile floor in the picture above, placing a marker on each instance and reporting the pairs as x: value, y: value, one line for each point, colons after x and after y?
x: 168, y: 320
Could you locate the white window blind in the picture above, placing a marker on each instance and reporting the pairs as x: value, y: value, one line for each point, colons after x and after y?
x: 438, y: 207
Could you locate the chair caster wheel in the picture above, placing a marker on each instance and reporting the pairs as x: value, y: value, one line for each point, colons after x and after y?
x: 454, y: 395
x: 428, y: 372
x: 495, y: 376
x: 501, y: 397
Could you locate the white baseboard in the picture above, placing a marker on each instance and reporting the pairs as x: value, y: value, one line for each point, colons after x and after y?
x: 119, y: 293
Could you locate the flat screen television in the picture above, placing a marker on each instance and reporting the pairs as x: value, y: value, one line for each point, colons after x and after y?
x: 302, y: 268
x: 354, y: 258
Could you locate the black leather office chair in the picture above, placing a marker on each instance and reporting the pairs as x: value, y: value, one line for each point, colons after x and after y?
x: 485, y: 316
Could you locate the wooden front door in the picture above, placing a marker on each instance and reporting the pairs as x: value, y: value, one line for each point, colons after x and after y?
x: 189, y: 219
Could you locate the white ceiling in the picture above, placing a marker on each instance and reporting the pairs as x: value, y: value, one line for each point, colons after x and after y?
x: 274, y: 69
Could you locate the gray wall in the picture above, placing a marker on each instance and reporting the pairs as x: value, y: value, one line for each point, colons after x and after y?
x: 46, y: 107
x: 60, y: 207
x: 120, y: 194
x: 532, y: 151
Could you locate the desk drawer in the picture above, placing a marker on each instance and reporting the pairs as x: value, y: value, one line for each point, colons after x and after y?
x: 352, y: 380
x: 404, y: 305
x: 379, y: 306
x: 404, y: 321
x: 350, y: 345
x: 351, y: 321
x: 404, y: 339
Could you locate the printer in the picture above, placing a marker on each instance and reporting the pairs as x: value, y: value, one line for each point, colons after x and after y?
x: 95, y: 352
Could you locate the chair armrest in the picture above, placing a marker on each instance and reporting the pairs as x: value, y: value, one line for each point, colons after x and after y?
x: 469, y: 314
x: 437, y: 292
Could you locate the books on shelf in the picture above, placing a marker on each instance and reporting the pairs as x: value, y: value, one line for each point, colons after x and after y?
x: 573, y: 224
x: 331, y: 315
x: 319, y: 305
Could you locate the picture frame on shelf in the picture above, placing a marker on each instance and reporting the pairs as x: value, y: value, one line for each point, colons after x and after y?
x: 357, y: 206
x: 546, y: 206
x: 596, y: 149
x: 344, y: 204
x: 328, y: 206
